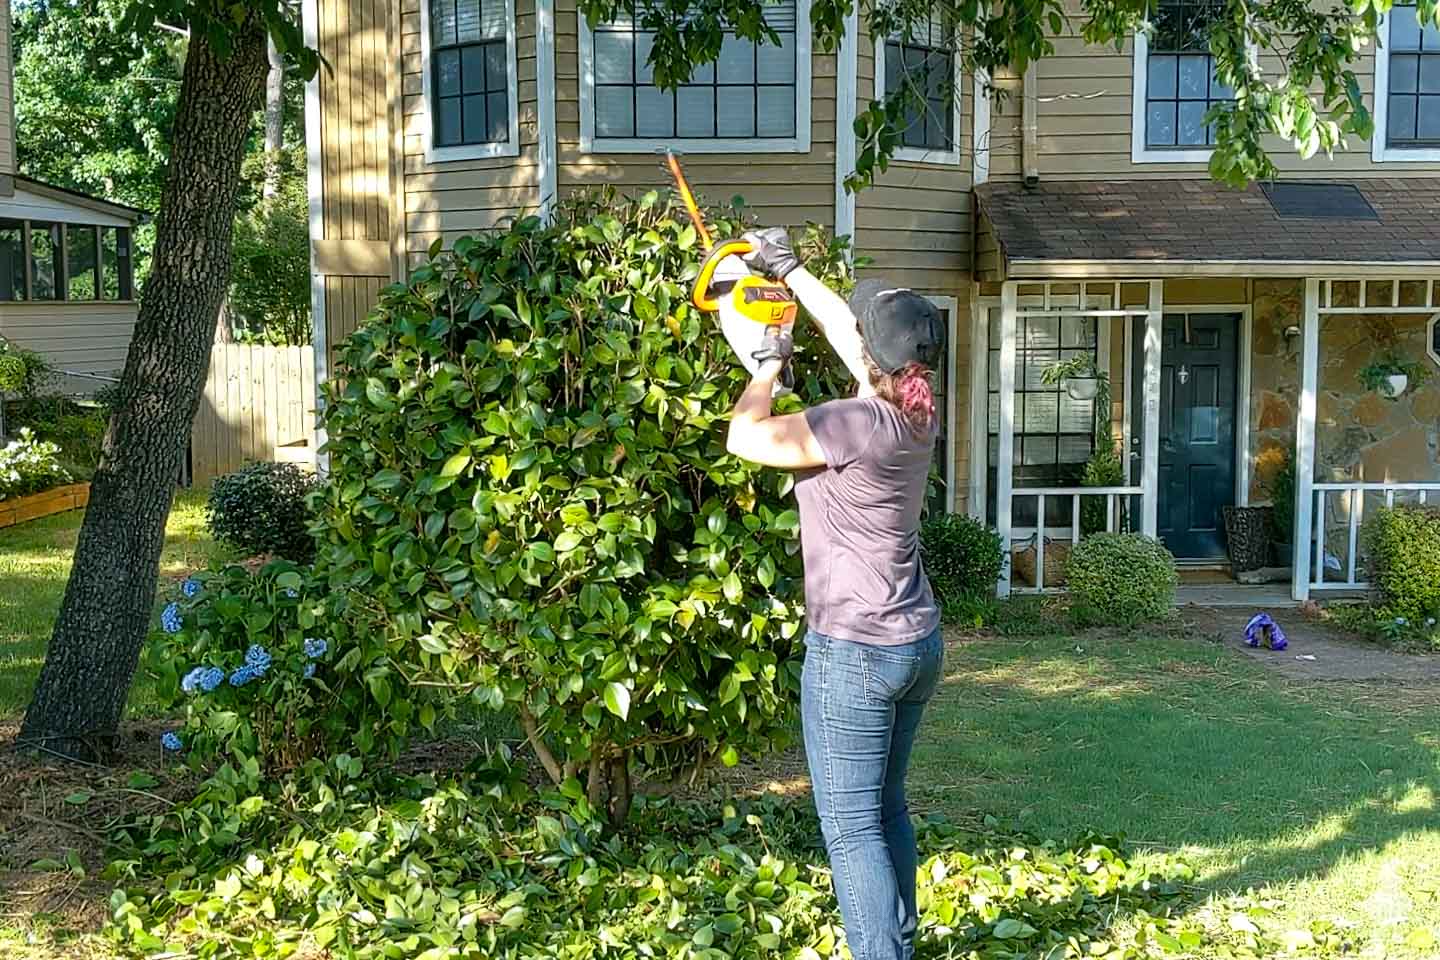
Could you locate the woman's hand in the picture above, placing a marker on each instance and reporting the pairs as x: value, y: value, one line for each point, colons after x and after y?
x: 771, y: 253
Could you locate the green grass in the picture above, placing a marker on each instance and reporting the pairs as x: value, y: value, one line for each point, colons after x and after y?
x: 34, y: 565
x: 1320, y: 795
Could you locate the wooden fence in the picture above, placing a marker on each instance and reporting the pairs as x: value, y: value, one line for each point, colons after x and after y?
x: 259, y: 404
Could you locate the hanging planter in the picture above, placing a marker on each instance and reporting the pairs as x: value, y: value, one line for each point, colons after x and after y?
x: 1082, y: 388
x: 1391, y: 375
x: 1078, y: 375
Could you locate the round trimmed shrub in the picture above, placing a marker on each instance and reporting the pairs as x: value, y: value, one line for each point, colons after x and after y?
x: 1404, y: 547
x: 529, y: 486
x: 1119, y: 580
x: 264, y: 508
x: 962, y: 557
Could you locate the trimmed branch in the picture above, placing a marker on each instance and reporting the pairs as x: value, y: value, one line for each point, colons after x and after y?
x: 538, y: 744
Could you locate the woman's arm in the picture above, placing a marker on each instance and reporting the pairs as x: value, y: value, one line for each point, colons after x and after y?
x: 786, y: 442
x: 833, y: 317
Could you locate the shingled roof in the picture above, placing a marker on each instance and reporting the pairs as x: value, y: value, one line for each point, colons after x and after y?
x: 1200, y: 221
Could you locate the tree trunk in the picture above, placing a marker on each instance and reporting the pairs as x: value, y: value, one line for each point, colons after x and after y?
x: 274, y: 120
x: 223, y: 333
x: 110, y: 596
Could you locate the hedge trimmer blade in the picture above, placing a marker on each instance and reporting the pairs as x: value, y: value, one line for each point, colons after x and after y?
x: 687, y: 197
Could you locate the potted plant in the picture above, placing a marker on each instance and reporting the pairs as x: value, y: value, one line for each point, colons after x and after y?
x: 1281, y: 490
x: 1391, y: 374
x: 1078, y: 375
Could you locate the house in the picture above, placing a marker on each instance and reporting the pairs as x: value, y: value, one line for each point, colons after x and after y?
x: 66, y: 263
x: 1075, y: 216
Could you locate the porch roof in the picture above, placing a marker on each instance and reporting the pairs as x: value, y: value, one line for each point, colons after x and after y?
x: 1196, y: 226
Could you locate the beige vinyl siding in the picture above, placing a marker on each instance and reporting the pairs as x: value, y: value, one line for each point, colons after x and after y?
x: 914, y: 221
x: 80, y: 337
x: 354, y: 105
x: 347, y: 301
x: 1006, y: 132
x: 7, y: 98
x: 452, y: 199
x: 788, y: 189
x: 1085, y: 96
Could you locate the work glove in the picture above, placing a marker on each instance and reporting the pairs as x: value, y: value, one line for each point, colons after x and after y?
x: 772, y: 254
x: 779, y: 344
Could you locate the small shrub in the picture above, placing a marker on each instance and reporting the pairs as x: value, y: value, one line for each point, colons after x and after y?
x: 264, y: 508
x: 1404, y: 547
x: 1103, y: 469
x: 263, y: 667
x: 1120, y: 579
x: 962, y: 557
x: 30, y: 465
x: 1281, y: 490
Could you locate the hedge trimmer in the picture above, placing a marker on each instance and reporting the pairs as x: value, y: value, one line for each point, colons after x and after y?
x: 747, y: 305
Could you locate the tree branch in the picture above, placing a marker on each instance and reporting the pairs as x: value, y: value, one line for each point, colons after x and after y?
x: 537, y: 743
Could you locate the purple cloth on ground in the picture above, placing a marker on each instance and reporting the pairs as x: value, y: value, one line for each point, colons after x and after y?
x: 1255, y: 629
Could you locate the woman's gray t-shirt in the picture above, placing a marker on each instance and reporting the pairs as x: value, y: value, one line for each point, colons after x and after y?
x: 860, y: 525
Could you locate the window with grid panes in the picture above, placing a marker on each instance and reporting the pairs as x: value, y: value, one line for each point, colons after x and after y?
x: 1054, y: 433
x: 747, y: 93
x: 925, y: 62
x: 1413, y: 110
x: 1181, y: 84
x: 470, y: 97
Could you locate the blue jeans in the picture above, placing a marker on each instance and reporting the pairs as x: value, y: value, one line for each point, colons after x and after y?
x: 860, y: 705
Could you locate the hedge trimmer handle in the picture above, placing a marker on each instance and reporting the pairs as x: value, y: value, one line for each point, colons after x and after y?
x: 701, y: 296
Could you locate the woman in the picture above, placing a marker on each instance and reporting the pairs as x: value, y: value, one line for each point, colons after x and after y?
x: 873, y: 650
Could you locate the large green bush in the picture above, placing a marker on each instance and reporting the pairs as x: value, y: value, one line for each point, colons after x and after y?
x: 30, y: 465
x: 1404, y: 547
x: 962, y: 557
x: 264, y: 508
x: 1120, y: 579
x: 530, y: 487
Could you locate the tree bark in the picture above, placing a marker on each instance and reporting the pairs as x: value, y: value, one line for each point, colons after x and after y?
x: 274, y: 119
x: 110, y: 596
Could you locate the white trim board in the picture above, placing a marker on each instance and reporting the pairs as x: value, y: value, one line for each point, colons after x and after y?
x: 315, y: 188
x: 980, y: 130
x: 510, y: 147
x: 847, y: 69
x: 949, y: 157
x: 545, y: 103
x: 800, y: 143
x: 1380, y: 151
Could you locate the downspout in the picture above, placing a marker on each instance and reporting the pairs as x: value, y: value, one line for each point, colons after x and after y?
x: 1029, y: 118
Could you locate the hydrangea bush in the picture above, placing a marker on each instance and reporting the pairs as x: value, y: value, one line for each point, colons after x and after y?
x: 530, y: 484
x: 29, y: 465
x: 262, y: 666
x: 1120, y: 580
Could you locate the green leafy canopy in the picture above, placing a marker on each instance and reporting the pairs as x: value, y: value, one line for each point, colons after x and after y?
x: 1289, y: 61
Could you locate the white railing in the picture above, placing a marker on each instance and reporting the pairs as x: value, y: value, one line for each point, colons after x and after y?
x: 1355, y: 492
x: 1112, y: 497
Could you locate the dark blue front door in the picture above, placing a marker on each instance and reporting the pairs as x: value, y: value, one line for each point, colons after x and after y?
x: 1197, y: 428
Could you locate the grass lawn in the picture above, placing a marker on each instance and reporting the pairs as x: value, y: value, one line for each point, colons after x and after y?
x: 34, y: 564
x: 1322, y: 794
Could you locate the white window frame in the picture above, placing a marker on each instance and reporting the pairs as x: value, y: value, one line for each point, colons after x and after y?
x: 1380, y: 150
x: 510, y: 146
x: 915, y: 154
x: 1432, y: 339
x: 800, y: 143
x: 1140, y: 151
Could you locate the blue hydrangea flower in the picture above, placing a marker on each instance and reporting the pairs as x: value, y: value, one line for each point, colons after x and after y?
x: 171, y: 741
x: 191, y: 681
x: 257, y: 658
x: 1402, y: 621
x: 170, y: 618
x: 309, y: 670
x: 190, y: 587
x: 290, y: 592
x: 315, y: 647
x: 242, y: 676
x: 211, y: 678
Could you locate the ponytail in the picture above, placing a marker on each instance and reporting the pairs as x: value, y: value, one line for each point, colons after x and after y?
x: 909, y: 390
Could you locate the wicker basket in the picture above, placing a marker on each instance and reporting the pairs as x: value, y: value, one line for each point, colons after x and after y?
x: 1247, y: 537
x: 1057, y: 555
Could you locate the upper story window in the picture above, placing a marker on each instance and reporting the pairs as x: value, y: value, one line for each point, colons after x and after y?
x: 1407, y: 88
x: 1175, y: 84
x: 925, y: 62
x: 69, y: 261
x: 754, y: 97
x: 469, y: 79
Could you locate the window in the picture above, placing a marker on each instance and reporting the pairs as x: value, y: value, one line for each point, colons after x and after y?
x: 82, y: 264
x: 925, y: 61
x: 1175, y: 85
x: 1407, y: 88
x: 469, y: 79
x: 755, y: 96
x: 72, y: 261
x: 44, y: 261
x: 1054, y: 434
x: 1433, y: 340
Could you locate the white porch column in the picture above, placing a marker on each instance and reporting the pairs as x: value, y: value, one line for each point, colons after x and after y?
x: 1150, y: 426
x: 979, y: 403
x: 1005, y: 456
x: 1305, y: 442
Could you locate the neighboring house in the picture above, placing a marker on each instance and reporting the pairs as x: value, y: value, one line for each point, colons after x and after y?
x: 1074, y: 216
x: 66, y: 263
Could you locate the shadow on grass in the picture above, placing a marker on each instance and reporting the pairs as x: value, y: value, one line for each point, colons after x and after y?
x: 1182, y: 745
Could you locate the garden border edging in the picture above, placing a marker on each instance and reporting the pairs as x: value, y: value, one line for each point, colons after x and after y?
x: 16, y: 510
